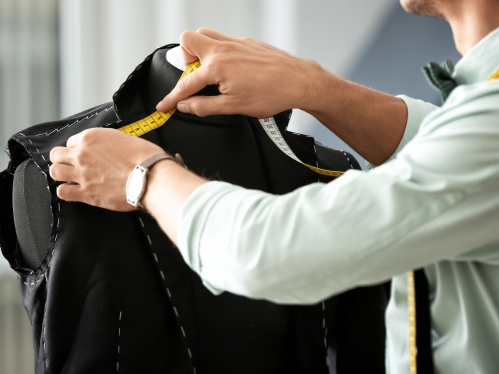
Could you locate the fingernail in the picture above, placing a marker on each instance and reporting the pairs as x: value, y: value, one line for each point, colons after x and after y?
x: 183, y: 108
x: 159, y: 104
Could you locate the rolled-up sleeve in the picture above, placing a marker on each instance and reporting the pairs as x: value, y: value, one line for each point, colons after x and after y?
x: 417, y: 110
x: 436, y: 199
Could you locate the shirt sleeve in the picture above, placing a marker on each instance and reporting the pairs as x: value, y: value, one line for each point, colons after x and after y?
x: 417, y: 110
x: 435, y: 200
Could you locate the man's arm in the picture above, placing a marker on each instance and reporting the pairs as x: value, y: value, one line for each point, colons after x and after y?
x: 258, y: 80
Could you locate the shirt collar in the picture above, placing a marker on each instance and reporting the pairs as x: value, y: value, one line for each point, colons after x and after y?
x: 480, y: 62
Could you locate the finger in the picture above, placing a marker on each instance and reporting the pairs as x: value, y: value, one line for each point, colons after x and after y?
x: 74, y: 140
x: 62, y: 155
x: 213, y: 34
x: 185, y: 88
x: 203, y: 106
x: 63, y: 173
x: 196, y: 46
x: 70, y: 192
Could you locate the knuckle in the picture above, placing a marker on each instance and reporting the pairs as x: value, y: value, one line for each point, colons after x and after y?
x: 224, y: 47
x: 197, y: 109
x: 203, y: 30
x: 182, y: 85
x: 185, y: 36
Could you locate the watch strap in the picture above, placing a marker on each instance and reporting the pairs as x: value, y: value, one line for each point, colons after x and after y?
x: 150, y: 161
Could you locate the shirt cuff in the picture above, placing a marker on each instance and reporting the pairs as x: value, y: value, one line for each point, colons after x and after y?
x: 417, y: 110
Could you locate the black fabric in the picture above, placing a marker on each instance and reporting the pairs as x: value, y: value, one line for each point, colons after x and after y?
x: 424, y: 357
x: 114, y: 294
x: 32, y: 218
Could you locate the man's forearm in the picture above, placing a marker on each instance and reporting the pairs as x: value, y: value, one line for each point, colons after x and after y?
x: 369, y: 121
x: 169, y: 185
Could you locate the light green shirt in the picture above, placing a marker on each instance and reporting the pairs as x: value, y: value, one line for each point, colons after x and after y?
x: 434, y: 204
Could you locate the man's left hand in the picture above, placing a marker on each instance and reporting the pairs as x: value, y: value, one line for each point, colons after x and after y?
x: 95, y: 166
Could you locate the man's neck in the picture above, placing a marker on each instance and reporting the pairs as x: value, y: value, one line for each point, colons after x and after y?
x: 471, y: 21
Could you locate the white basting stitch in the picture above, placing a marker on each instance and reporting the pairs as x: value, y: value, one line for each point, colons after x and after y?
x: 43, y: 159
x: 350, y: 162
x: 316, y: 160
x: 56, y: 234
x: 37, y: 150
x: 168, y: 291
x: 29, y: 140
x: 193, y: 368
x: 72, y: 123
x: 119, y: 346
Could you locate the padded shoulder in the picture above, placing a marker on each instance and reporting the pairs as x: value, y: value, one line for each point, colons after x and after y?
x: 32, y: 216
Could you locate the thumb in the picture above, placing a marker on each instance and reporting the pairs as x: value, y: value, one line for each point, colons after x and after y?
x: 203, y: 106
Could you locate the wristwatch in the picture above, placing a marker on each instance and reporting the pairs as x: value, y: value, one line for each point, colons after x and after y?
x: 137, y: 180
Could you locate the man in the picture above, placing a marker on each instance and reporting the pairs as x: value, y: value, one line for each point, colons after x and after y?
x: 433, y: 202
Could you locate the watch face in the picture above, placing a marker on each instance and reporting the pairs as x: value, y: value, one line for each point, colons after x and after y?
x: 135, y: 185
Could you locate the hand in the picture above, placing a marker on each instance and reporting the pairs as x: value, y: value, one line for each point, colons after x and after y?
x: 253, y: 78
x: 95, y: 166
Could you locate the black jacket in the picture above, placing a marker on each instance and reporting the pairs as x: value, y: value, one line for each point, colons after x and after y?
x: 113, y: 294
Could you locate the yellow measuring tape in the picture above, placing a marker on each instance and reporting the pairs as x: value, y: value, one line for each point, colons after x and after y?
x: 158, y: 119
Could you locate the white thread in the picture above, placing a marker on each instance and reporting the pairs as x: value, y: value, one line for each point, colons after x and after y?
x: 72, y: 123
x: 168, y: 291
x: 316, y: 160
x: 37, y: 150
x: 29, y: 140
x: 119, y: 346
x: 43, y: 158
x: 350, y: 162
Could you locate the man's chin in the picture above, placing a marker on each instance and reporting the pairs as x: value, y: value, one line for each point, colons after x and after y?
x: 422, y: 7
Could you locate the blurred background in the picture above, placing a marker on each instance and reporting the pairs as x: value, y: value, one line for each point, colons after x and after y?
x: 58, y: 57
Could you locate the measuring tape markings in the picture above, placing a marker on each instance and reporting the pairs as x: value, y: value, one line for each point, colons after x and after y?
x: 158, y: 119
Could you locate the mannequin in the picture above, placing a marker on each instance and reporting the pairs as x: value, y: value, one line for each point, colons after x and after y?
x: 107, y: 291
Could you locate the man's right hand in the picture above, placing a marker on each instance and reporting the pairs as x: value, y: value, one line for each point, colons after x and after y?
x: 258, y: 80
x: 253, y: 78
